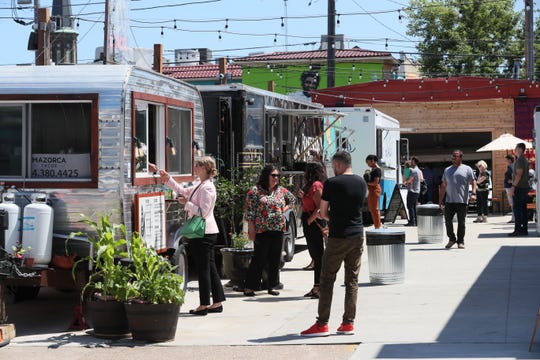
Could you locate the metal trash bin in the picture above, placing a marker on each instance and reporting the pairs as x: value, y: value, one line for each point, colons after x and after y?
x: 386, y: 256
x: 430, y: 224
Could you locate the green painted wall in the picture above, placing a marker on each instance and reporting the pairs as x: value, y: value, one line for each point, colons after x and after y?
x: 287, y: 79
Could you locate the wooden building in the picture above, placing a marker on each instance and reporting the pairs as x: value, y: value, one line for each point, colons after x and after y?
x: 444, y: 114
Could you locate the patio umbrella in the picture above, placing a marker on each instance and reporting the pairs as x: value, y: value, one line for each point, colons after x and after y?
x: 504, y: 142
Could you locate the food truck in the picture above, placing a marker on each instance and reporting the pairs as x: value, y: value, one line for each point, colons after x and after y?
x: 247, y: 126
x: 86, y: 138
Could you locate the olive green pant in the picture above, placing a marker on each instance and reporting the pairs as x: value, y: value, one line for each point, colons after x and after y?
x: 348, y: 251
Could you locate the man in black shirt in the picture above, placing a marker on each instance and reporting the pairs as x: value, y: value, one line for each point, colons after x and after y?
x: 341, y: 204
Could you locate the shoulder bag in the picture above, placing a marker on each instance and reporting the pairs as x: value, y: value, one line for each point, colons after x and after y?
x: 195, y: 227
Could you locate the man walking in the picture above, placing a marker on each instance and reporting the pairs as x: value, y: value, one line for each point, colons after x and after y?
x: 519, y: 191
x: 455, y: 184
x: 341, y: 204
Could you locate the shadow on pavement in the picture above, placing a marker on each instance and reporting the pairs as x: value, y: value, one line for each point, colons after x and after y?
x: 495, y: 317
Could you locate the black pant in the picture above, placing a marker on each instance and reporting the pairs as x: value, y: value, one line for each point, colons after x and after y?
x: 209, y: 280
x: 451, y: 209
x: 412, y: 199
x: 315, y: 245
x: 267, y: 252
x: 520, y: 209
x: 482, y: 202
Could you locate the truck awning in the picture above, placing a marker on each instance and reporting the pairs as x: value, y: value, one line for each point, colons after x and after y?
x: 274, y: 110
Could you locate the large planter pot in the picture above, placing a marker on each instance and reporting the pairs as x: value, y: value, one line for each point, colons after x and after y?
x: 236, y: 264
x: 152, y: 322
x: 108, y: 318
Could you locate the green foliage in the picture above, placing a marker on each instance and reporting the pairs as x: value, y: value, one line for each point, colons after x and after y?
x: 239, y: 240
x: 231, y: 194
x: 108, y: 277
x: 154, y: 280
x: 467, y: 37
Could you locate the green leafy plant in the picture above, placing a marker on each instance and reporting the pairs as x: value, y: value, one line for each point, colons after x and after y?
x: 19, y: 251
x: 231, y: 195
x: 240, y: 240
x: 153, y: 278
x: 109, y: 278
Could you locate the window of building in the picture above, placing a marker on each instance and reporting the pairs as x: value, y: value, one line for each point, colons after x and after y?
x: 163, y: 136
x: 45, y: 141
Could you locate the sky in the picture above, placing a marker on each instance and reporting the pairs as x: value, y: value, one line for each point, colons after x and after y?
x: 245, y: 26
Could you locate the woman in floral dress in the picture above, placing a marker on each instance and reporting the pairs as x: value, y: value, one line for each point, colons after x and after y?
x: 266, y: 204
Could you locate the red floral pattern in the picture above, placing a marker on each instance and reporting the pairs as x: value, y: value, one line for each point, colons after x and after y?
x: 265, y: 208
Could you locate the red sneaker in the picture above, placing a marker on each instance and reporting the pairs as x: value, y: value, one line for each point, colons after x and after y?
x: 316, y: 330
x: 346, y: 329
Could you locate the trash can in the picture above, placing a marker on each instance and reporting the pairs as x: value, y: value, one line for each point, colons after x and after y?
x: 386, y: 256
x: 430, y: 224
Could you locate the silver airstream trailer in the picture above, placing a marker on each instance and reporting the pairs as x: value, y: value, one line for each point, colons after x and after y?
x: 87, y: 136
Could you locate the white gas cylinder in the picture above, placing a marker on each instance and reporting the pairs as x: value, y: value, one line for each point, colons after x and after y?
x: 37, y: 229
x: 12, y: 232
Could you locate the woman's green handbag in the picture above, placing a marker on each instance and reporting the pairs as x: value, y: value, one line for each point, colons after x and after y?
x: 194, y: 227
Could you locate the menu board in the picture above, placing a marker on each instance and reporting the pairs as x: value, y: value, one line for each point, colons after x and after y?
x: 397, y: 203
x: 150, y: 219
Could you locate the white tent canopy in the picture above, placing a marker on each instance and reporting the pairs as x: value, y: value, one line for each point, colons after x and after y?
x: 504, y: 142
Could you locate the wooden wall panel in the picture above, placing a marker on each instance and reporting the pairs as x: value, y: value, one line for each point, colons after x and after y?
x: 490, y: 115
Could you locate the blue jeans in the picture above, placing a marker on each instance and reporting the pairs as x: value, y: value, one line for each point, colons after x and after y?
x: 451, y: 209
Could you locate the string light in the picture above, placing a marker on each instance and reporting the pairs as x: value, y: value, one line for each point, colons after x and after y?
x: 175, y: 25
x: 162, y: 31
x: 386, y: 44
x: 226, y: 23
x: 400, y: 18
x: 77, y: 22
x: 282, y: 23
x: 275, y: 38
x: 338, y: 22
x: 219, y: 34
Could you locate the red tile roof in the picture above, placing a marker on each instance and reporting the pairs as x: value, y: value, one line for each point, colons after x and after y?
x: 200, y: 71
x: 353, y: 53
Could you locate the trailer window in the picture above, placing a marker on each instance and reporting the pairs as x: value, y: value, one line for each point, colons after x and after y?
x: 179, y: 141
x: 60, y: 141
x: 46, y: 141
x: 11, y: 123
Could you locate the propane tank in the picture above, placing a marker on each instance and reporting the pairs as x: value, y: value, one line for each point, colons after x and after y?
x: 37, y: 229
x: 12, y: 233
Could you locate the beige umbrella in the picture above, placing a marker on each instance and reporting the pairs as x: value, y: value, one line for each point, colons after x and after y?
x: 504, y: 142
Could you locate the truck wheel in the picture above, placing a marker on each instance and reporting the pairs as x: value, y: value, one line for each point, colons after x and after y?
x: 180, y: 260
x: 289, y: 239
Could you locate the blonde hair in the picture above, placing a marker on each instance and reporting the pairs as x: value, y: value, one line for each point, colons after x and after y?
x: 482, y: 163
x: 209, y: 164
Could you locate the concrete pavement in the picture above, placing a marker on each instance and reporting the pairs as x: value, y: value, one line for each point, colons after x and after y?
x: 477, y: 303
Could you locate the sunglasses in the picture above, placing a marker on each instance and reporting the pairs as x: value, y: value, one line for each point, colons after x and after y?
x: 275, y: 175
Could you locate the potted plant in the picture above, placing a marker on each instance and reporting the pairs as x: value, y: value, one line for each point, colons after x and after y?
x: 154, y: 294
x: 105, y: 291
x: 236, y: 260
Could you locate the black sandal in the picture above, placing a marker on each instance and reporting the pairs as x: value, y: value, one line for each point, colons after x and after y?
x: 313, y: 294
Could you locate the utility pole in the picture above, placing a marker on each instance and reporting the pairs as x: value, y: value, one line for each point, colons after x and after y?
x: 529, y: 39
x: 106, y: 34
x: 331, y: 51
x: 36, y: 23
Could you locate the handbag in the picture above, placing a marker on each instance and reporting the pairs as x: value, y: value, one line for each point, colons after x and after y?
x: 423, y: 187
x: 194, y: 227
x: 325, y: 230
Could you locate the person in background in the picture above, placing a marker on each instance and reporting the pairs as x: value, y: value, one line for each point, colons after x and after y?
x: 406, y: 170
x: 341, y: 204
x: 508, y: 183
x: 202, y: 197
x: 413, y: 183
x: 455, y: 190
x: 266, y: 205
x: 311, y: 221
x: 519, y: 191
x: 482, y: 185
x: 374, y: 189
